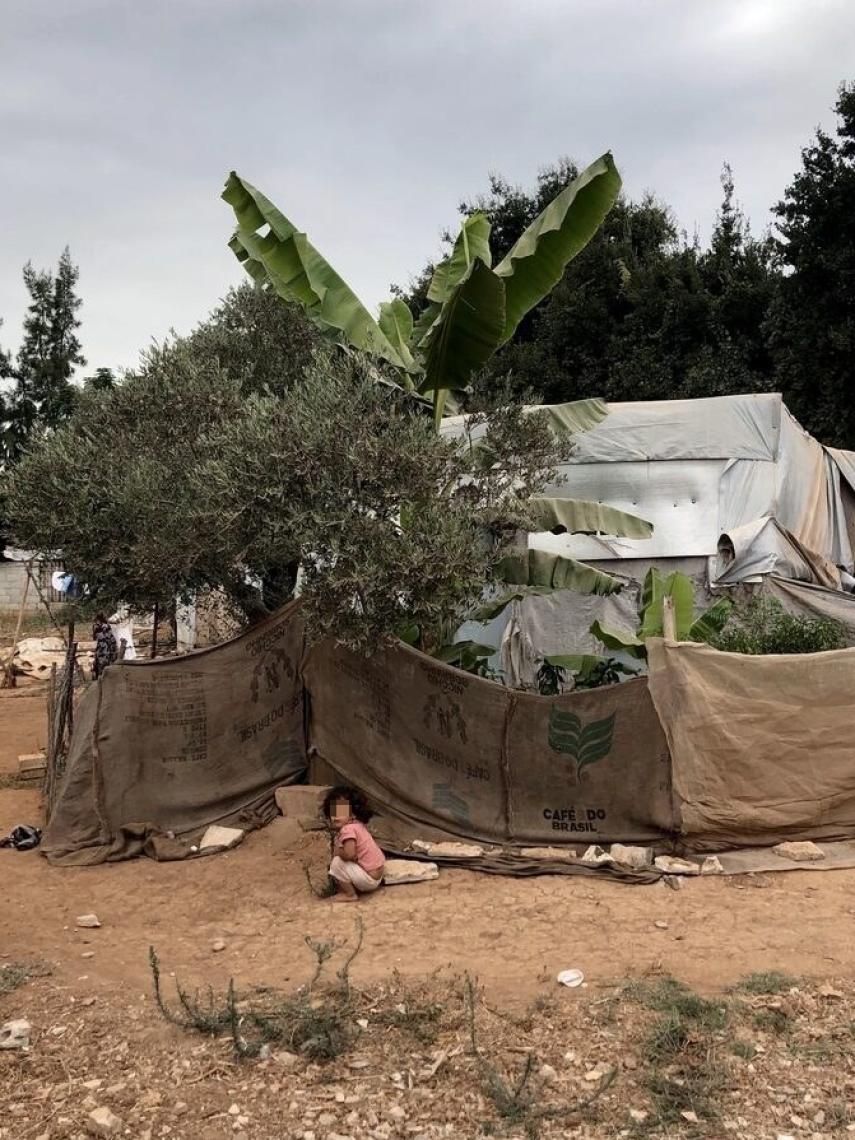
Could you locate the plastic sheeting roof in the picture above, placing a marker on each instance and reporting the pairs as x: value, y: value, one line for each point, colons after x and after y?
x: 699, y: 468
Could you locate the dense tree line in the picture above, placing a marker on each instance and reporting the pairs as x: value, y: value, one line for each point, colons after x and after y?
x: 644, y: 313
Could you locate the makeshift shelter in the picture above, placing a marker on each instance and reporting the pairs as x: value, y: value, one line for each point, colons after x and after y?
x: 738, y: 494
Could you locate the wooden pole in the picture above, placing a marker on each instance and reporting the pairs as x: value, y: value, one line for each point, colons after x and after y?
x: 154, y: 632
x: 669, y: 619
x: 9, y: 679
x: 47, y: 787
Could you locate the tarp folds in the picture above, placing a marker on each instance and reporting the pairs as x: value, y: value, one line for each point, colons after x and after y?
x: 443, y: 753
x: 764, y: 547
x: 178, y: 744
x: 762, y: 747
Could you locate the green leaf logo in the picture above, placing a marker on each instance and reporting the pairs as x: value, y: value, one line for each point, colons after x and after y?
x: 586, y: 744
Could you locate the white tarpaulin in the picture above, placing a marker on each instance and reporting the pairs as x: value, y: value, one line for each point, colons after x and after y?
x: 734, y: 466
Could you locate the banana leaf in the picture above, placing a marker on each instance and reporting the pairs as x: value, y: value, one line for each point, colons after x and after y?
x: 464, y: 654
x: 676, y: 586
x: 472, y: 244
x: 619, y: 639
x: 465, y: 335
x: 574, y: 417
x: 540, y: 568
x: 396, y: 323
x: 537, y: 261
x: 712, y: 621
x: 490, y: 610
x: 579, y: 516
x: 284, y: 260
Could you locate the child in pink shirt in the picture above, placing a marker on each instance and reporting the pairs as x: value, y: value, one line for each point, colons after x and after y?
x: 357, y: 864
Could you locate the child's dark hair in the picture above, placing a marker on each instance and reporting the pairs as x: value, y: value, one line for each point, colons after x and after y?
x: 358, y: 804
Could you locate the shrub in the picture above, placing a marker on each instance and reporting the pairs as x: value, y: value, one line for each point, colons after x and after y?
x: 764, y: 626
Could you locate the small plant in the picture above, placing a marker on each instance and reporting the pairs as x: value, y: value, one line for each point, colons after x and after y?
x: 588, y: 672
x: 12, y: 975
x: 777, y: 1021
x: 766, y: 982
x: 318, y: 1024
x: 682, y: 1045
x: 764, y: 626
x: 516, y: 1099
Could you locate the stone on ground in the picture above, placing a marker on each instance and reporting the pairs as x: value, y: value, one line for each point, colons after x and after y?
x: 802, y: 852
x: 87, y: 921
x: 449, y: 849
x: 103, y: 1122
x: 636, y: 857
x: 672, y: 865
x: 399, y: 871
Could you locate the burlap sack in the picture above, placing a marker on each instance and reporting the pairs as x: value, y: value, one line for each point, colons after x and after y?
x: 762, y: 747
x: 178, y: 744
x: 444, y: 753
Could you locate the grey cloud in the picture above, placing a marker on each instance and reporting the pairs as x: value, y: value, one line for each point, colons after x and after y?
x: 367, y: 121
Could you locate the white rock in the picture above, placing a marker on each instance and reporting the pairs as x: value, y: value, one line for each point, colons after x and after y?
x: 690, y: 1117
x: 449, y: 848
x: 660, y: 924
x: 399, y: 871
x: 217, y: 836
x: 636, y: 857
x: 102, y: 1122
x: 88, y: 954
x: 638, y: 1115
x: 285, y: 1059
x: 217, y: 945
x: 548, y: 1074
x: 596, y: 855
x: 94, y: 1084
x: 671, y: 865
x: 712, y: 866
x: 234, y: 1110
x: 15, y: 1034
x: 562, y: 854
x: 87, y: 921
x: 803, y: 852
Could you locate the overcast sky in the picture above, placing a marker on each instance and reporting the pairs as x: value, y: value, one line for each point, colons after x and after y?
x: 366, y: 121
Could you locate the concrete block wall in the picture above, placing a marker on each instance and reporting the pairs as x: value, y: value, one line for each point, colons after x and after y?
x: 13, y: 576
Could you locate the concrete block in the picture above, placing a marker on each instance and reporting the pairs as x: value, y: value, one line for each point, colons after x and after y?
x: 301, y: 801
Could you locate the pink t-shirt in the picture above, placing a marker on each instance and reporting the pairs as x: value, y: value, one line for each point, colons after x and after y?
x: 368, y: 854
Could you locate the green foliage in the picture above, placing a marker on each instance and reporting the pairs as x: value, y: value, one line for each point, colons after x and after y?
x: 639, y: 313
x: 767, y: 982
x: 394, y: 526
x: 470, y: 656
x: 471, y: 308
x: 657, y: 587
x: 810, y: 328
x: 588, y: 672
x: 43, y: 396
x: 112, y: 488
x: 764, y: 626
x: 255, y: 340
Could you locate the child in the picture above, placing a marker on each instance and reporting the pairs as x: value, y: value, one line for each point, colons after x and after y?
x: 357, y: 865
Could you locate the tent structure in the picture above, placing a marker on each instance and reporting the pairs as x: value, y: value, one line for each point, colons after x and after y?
x: 739, y: 495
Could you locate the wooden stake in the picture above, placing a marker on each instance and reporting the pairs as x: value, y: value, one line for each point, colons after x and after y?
x: 154, y: 632
x: 669, y: 619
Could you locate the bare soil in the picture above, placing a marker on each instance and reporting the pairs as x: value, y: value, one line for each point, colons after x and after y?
x: 94, y: 1017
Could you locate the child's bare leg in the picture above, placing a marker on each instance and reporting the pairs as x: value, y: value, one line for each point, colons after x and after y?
x: 345, y: 892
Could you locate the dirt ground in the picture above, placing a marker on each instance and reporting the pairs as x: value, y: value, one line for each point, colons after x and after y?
x: 513, y: 935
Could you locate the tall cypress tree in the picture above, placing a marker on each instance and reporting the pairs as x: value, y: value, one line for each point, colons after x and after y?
x: 50, y: 350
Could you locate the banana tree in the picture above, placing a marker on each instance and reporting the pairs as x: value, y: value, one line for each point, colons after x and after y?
x: 473, y: 307
x: 689, y: 628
